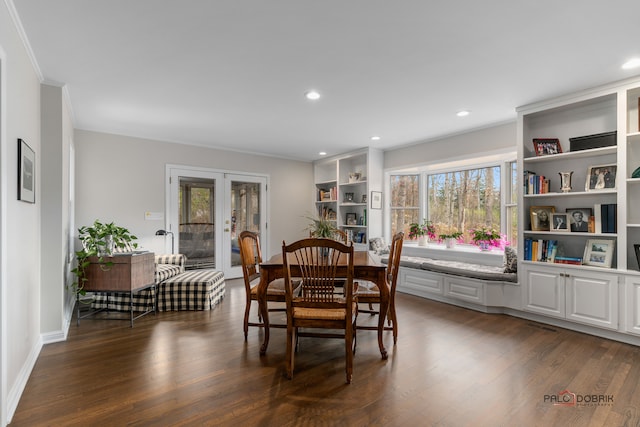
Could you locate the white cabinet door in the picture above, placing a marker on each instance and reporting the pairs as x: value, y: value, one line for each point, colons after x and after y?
x: 592, y: 298
x: 632, y: 299
x: 543, y: 291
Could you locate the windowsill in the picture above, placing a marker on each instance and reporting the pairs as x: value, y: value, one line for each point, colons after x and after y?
x: 461, y: 252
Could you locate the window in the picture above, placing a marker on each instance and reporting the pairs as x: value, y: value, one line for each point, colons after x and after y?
x: 405, y: 202
x: 458, y: 197
x: 464, y: 200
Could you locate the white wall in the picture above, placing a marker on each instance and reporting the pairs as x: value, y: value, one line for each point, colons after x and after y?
x: 492, y: 139
x: 119, y: 178
x: 57, y: 132
x: 20, y: 234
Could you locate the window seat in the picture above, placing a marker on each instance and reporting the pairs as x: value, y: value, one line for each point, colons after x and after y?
x: 467, y: 284
x: 457, y: 268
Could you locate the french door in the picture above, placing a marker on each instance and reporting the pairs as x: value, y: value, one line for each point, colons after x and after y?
x: 208, y: 209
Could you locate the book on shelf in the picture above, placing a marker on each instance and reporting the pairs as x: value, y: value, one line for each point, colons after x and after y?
x: 535, y: 184
x: 608, y: 218
x: 568, y: 260
x: 327, y: 195
x: 540, y: 250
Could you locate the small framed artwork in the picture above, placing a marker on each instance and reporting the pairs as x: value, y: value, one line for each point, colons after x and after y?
x: 579, y: 219
x: 598, y: 252
x: 348, y: 197
x: 546, y: 146
x: 26, y: 172
x: 541, y: 217
x: 352, y: 218
x: 376, y: 200
x: 560, y: 222
x: 636, y: 247
x: 601, y: 177
x: 364, y: 198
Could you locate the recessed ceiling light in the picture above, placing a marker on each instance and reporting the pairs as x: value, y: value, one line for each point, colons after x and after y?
x: 323, y: 153
x: 375, y: 138
x: 312, y: 95
x: 462, y: 113
x: 632, y: 63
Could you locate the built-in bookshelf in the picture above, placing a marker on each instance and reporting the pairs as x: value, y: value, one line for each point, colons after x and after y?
x: 343, y: 186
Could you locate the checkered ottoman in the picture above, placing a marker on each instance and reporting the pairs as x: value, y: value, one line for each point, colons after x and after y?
x: 191, y: 290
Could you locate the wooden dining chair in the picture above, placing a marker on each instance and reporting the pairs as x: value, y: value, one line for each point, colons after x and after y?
x: 369, y: 293
x: 251, y: 257
x: 316, y: 262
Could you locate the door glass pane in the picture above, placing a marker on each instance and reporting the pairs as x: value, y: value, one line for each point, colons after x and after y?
x: 196, y: 235
x: 245, y: 213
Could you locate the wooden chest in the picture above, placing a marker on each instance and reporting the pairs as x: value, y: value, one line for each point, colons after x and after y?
x: 128, y: 273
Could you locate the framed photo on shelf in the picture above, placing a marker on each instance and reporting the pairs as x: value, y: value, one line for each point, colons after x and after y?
x: 541, y: 217
x: 579, y: 219
x: 348, y: 197
x: 546, y: 146
x: 560, y: 222
x: 636, y: 247
x: 602, y: 177
x: 26, y: 172
x: 599, y: 252
x: 352, y: 218
x: 364, y: 198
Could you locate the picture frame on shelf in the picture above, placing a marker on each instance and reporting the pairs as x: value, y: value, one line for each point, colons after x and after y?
x: 541, y: 217
x: 636, y: 248
x: 364, y: 198
x: 351, y: 218
x: 376, y: 200
x: 579, y: 219
x: 546, y: 146
x: 26, y: 172
x: 599, y: 252
x: 348, y: 197
x: 560, y: 222
x: 601, y: 178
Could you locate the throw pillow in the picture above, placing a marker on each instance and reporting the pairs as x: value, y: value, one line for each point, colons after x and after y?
x: 510, y: 260
x: 377, y: 245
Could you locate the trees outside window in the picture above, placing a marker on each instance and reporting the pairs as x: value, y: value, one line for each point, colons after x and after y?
x: 458, y: 200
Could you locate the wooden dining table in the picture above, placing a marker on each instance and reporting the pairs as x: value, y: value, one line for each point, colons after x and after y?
x: 364, y: 268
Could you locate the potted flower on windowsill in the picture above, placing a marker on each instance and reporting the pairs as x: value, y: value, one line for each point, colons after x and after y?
x: 450, y: 239
x: 423, y: 232
x: 488, y: 238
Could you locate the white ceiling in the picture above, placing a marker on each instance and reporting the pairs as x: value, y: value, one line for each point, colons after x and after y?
x: 232, y: 73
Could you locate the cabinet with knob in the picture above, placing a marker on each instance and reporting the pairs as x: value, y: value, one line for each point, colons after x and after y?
x: 588, y: 296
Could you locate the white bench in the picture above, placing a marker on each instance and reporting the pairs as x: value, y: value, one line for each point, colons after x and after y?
x: 471, y: 285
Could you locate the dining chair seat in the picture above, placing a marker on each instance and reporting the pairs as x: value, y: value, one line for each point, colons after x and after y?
x: 366, y: 289
x: 276, y: 287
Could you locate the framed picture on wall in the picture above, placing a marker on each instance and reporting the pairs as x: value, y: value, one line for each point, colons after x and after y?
x: 376, y: 200
x: 26, y: 172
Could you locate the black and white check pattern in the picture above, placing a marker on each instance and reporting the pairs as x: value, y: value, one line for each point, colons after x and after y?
x: 191, y: 290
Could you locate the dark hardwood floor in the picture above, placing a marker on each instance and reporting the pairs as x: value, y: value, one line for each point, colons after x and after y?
x: 451, y: 367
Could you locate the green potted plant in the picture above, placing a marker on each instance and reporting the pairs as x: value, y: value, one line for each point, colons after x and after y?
x: 422, y: 232
x: 487, y: 238
x: 450, y: 239
x: 99, y: 240
x: 321, y: 227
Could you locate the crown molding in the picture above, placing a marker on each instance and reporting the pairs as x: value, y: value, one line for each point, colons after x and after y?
x: 23, y: 36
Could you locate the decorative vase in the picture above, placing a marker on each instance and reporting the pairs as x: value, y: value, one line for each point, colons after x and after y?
x: 422, y: 240
x: 450, y: 243
x: 484, y: 246
x: 565, y: 181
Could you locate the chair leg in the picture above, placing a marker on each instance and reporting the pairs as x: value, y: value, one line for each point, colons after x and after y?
x: 349, y: 343
x: 291, y: 333
x: 371, y: 308
x: 393, y: 316
x: 247, y: 308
